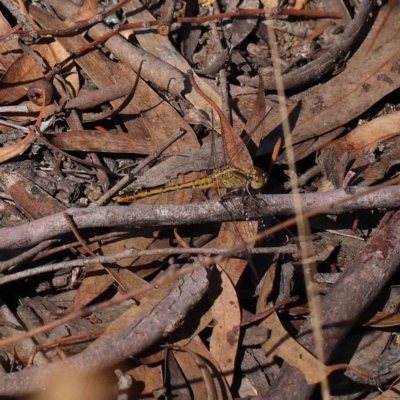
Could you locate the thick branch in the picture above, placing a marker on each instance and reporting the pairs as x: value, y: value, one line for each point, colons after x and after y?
x: 142, y: 333
x: 138, y: 216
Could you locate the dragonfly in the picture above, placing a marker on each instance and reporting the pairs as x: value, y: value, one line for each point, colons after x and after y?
x: 229, y: 177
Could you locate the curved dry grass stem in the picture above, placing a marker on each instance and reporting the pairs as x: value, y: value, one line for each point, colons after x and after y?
x: 306, y: 249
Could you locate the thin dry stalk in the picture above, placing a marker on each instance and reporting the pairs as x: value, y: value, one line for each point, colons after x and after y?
x: 303, y: 226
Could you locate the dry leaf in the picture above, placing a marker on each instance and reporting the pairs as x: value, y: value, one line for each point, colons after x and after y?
x: 357, y: 146
x: 151, y: 378
x: 197, y: 346
x: 94, y: 141
x: 30, y: 197
x: 13, y: 150
x: 15, y: 82
x: 87, y: 11
x: 197, y: 374
x: 224, y: 340
x: 282, y: 345
x: 383, y: 320
x: 367, y: 137
x: 242, y: 27
x: 9, y: 49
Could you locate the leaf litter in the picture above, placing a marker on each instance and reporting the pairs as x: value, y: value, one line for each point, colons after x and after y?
x: 89, y: 98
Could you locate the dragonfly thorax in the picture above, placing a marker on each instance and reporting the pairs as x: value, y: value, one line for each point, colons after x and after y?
x: 257, y: 178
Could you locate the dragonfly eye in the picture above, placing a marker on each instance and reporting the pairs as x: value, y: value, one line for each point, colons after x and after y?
x: 258, y: 178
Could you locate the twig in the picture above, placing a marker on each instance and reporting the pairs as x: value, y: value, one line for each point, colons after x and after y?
x: 27, y: 255
x: 5, y: 196
x: 318, y: 32
x: 16, y: 109
x: 127, y: 178
x: 303, y: 179
x: 167, y: 15
x: 25, y: 12
x: 112, y: 258
x: 86, y: 100
x: 75, y: 231
x: 226, y: 109
x: 14, y: 125
x: 75, y: 244
x: 10, y: 32
x: 127, y: 99
x: 58, y: 342
x: 137, y: 216
x: 241, y: 12
x: 269, y: 311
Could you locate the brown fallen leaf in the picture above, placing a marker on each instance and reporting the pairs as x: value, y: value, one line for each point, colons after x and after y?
x: 242, y: 27
x: 14, y: 83
x: 282, y: 345
x: 13, y: 150
x: 357, y: 146
x: 147, y: 379
x: 9, y: 49
x: 196, y: 345
x: 94, y: 141
x: 29, y: 197
x: 367, y: 137
x: 225, y: 312
x: 379, y: 169
x: 378, y: 319
x: 382, y: 320
x: 197, y: 374
x: 87, y: 11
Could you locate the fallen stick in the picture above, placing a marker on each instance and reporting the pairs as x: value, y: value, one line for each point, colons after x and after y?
x: 140, y: 216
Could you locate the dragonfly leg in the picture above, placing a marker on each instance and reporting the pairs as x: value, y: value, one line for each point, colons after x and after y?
x: 229, y: 195
x: 248, y: 194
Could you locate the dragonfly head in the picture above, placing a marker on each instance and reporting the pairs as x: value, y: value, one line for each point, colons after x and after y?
x: 258, y: 178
